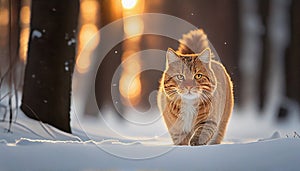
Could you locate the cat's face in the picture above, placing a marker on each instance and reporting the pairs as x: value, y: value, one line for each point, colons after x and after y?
x: 189, y: 76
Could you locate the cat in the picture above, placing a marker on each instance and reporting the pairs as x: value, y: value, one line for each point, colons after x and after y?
x: 195, y: 96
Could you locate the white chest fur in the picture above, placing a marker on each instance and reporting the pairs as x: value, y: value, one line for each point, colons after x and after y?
x: 188, y: 112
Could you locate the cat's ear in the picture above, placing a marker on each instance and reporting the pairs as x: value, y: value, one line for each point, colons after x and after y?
x: 171, y: 56
x: 205, y: 55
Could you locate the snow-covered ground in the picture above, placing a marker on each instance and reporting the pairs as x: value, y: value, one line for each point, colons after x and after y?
x: 111, y: 145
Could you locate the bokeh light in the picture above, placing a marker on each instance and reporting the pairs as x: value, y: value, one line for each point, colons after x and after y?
x: 24, y: 37
x: 25, y: 15
x: 88, y: 37
x: 133, y: 26
x: 4, y: 17
x: 129, y: 4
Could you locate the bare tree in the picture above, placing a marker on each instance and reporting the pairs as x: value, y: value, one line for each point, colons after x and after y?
x: 11, y: 62
x: 50, y: 63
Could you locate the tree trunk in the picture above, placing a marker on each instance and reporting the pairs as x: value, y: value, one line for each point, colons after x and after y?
x: 292, y: 61
x: 264, y: 10
x: 50, y: 63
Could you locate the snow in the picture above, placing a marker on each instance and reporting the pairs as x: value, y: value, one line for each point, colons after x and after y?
x: 71, y: 41
x: 269, y: 155
x: 66, y: 68
x: 36, y: 34
x: 100, y: 145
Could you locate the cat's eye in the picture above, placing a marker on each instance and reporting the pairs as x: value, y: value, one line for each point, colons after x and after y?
x: 198, y: 76
x: 180, y: 77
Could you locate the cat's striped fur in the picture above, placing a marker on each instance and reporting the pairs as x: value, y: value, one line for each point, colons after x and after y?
x: 195, y: 95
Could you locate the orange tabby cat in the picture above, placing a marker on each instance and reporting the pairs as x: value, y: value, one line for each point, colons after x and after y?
x: 195, y: 95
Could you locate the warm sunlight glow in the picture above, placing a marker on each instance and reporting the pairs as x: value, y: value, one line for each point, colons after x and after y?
x: 4, y: 17
x: 88, y: 32
x: 83, y: 62
x: 88, y: 36
x: 130, y: 82
x: 88, y: 39
x: 130, y: 88
x: 133, y: 26
x: 24, y: 37
x: 25, y: 15
x: 129, y: 4
x: 133, y: 67
x: 88, y: 10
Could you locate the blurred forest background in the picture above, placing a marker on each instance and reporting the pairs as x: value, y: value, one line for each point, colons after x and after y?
x: 257, y: 41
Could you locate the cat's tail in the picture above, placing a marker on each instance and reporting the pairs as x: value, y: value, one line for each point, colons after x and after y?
x: 193, y: 42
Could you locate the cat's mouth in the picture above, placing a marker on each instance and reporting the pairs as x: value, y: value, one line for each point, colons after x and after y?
x: 189, y: 95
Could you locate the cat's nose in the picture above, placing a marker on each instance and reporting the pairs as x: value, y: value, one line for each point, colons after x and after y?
x: 189, y: 87
x: 188, y: 83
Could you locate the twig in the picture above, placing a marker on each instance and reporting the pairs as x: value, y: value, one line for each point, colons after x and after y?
x: 4, y: 96
x: 40, y: 121
x: 5, y: 111
x: 10, y: 113
x: 17, y: 104
x: 4, y: 75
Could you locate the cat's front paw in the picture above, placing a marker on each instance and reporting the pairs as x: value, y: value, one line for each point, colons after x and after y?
x: 180, y: 138
x: 196, y: 141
